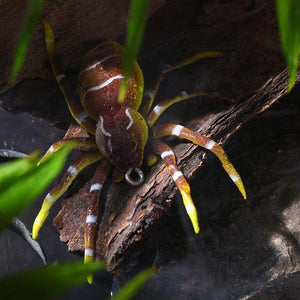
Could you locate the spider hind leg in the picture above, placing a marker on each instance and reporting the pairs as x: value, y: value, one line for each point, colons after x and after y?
x: 205, y: 142
x: 169, y: 160
x: 69, y: 176
x: 92, y: 211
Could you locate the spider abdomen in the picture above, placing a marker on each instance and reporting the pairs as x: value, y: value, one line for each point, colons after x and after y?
x: 100, y: 77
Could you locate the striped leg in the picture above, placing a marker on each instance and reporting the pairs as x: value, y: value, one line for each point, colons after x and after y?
x: 117, y: 175
x: 79, y: 143
x: 92, y: 211
x: 158, y: 110
x: 149, y: 94
x: 205, y: 142
x: 169, y: 160
x: 83, y: 161
x: 72, y: 100
x: 150, y: 159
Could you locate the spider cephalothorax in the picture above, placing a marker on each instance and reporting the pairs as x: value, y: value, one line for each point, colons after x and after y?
x: 119, y: 132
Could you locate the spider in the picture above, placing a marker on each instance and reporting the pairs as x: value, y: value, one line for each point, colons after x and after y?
x: 120, y: 132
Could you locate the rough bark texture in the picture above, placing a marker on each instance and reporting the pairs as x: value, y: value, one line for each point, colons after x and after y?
x: 245, y: 250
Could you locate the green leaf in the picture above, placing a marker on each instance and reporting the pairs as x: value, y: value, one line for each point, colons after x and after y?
x: 135, y: 30
x: 46, y: 282
x: 22, y: 181
x: 10, y: 171
x: 288, y: 14
x: 33, y: 13
x: 133, y: 285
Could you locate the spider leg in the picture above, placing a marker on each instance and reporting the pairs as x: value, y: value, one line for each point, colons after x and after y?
x: 169, y: 160
x: 150, y: 94
x: 79, y: 143
x: 117, y: 175
x: 158, y: 110
x: 150, y: 159
x: 92, y: 211
x: 205, y: 142
x: 83, y: 161
x: 72, y: 100
x: 192, y: 59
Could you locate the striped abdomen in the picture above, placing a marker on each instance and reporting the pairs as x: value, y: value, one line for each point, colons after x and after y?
x: 100, y: 76
x: 121, y: 132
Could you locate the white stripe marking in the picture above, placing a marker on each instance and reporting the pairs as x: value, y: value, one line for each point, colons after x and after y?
x: 189, y: 208
x: 129, y: 117
x: 95, y: 187
x: 209, y: 145
x: 91, y: 219
x: 95, y: 65
x: 177, y: 130
x: 176, y: 175
x: 82, y: 116
x: 184, y: 94
x: 102, y: 44
x: 102, y: 127
x: 158, y: 109
x: 38, y: 221
x: 49, y: 198
x: 166, y: 153
x: 234, y: 177
x: 60, y: 77
x: 103, y: 84
x: 48, y: 41
x: 149, y: 93
x: 51, y: 149
x: 89, y: 252
x: 72, y: 170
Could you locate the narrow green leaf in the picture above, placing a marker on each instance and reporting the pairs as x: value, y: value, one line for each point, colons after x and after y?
x: 19, y: 187
x: 46, y: 282
x: 288, y: 14
x: 10, y: 171
x: 133, y: 285
x: 32, y: 15
x: 135, y: 30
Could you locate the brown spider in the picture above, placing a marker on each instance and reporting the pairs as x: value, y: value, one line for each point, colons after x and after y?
x: 120, y: 131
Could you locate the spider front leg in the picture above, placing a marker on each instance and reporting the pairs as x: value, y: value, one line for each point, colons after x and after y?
x: 70, y: 95
x: 159, y: 109
x: 79, y: 143
x: 169, y: 160
x: 92, y: 211
x: 71, y: 173
x: 205, y: 142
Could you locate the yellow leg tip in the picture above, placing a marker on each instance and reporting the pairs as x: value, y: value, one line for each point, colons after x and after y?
x: 191, y: 210
x: 196, y: 227
x: 241, y: 188
x: 36, y: 228
x: 39, y: 221
x: 88, y: 259
x: 89, y: 279
x: 34, y: 234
